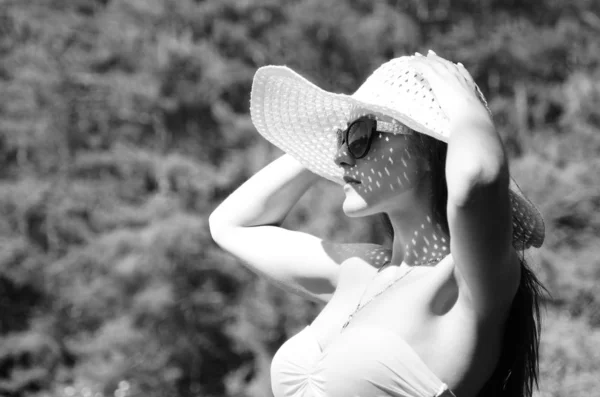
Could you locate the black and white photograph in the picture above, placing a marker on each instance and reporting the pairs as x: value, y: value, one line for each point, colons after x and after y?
x: 299, y: 198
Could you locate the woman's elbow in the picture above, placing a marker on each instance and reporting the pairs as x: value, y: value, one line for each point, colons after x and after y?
x: 216, y: 224
x: 467, y: 178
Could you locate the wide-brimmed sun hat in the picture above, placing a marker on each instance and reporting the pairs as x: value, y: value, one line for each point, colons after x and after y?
x: 302, y: 120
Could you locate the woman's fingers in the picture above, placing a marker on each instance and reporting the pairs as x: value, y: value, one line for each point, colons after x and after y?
x: 435, y: 68
x: 433, y: 72
x: 440, y: 72
x: 465, y: 73
x: 453, y: 86
x: 473, y: 84
x: 458, y: 67
x: 458, y: 70
x: 432, y: 56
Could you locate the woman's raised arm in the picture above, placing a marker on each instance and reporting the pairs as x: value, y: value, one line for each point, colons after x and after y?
x: 266, y: 198
x: 477, y: 174
x: 247, y: 223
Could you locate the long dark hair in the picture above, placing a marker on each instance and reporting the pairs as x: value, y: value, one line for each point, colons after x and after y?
x: 516, y: 373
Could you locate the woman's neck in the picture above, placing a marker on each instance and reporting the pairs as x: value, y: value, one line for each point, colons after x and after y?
x: 418, y: 239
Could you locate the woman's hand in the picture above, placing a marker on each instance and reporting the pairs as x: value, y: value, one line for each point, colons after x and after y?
x: 455, y: 90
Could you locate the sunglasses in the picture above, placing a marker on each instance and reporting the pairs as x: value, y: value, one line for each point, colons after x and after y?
x: 359, y: 134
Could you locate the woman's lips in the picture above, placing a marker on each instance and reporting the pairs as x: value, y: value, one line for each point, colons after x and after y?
x: 348, y: 179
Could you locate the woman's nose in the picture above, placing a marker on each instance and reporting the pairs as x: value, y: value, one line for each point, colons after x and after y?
x: 343, y: 158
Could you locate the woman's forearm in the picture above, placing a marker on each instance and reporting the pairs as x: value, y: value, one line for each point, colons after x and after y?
x: 266, y: 198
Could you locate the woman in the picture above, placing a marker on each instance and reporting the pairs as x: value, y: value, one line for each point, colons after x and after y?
x: 451, y: 309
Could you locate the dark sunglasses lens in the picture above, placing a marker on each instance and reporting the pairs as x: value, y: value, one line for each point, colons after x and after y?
x: 358, y: 138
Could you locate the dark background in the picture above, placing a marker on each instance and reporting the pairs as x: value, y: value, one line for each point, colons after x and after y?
x: 124, y: 123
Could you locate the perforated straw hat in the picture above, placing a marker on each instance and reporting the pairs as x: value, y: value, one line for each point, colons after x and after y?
x: 302, y: 119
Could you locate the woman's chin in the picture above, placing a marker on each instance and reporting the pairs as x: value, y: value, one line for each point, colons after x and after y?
x: 354, y: 206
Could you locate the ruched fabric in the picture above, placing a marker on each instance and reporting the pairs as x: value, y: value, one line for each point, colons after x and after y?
x: 362, y: 362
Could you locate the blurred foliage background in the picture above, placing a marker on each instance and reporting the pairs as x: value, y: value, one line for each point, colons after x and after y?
x: 123, y: 123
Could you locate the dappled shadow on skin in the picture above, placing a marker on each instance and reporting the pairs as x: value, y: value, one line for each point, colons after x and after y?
x: 373, y: 254
x: 393, y: 166
x: 388, y: 169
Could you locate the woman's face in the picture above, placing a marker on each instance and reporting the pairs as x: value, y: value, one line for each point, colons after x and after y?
x: 387, y: 179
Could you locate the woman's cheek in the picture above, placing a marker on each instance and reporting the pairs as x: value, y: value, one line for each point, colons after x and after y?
x: 399, y: 169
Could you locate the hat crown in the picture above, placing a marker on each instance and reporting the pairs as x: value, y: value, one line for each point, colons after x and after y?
x: 399, y: 90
